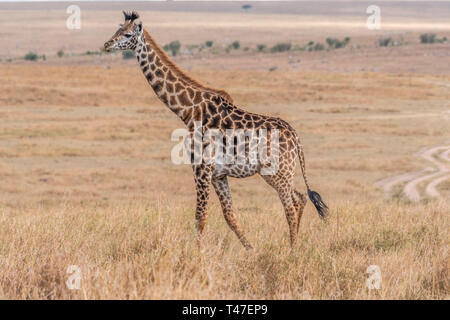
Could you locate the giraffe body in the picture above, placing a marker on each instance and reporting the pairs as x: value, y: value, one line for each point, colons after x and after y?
x: 214, y: 109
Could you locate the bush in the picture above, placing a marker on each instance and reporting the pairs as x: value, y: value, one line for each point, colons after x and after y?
x: 281, y: 47
x: 318, y: 47
x: 385, y: 42
x: 31, y: 56
x: 173, y: 47
x: 261, y: 47
x: 128, y: 54
x: 60, y: 53
x: 236, y: 45
x: 92, y: 53
x: 334, y: 43
x: 209, y: 43
x: 428, y: 38
x: 431, y: 38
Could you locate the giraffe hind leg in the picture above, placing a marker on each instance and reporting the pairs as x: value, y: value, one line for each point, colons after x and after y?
x: 299, y: 203
x: 283, y: 185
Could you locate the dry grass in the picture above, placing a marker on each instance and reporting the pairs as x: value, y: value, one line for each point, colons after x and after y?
x: 141, y: 249
x: 93, y: 186
x: 87, y: 178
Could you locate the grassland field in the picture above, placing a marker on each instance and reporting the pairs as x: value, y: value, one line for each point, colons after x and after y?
x: 87, y: 178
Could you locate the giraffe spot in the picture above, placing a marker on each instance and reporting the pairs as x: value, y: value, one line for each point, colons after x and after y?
x: 159, y: 73
x: 191, y: 93
x: 236, y: 117
x: 163, y: 98
x: 223, y: 111
x: 170, y: 77
x: 186, y: 114
x: 143, y: 63
x: 143, y: 56
x: 173, y: 101
x: 259, y: 123
x: 145, y: 69
x: 178, y: 87
x: 238, y: 125
x: 206, y: 95
x: 212, y: 108
x: 248, y: 117
x: 227, y: 123
x: 214, y: 121
x: 216, y: 99
x: 198, y: 97
x: 158, y: 62
x: 157, y: 86
x: 165, y: 69
x: 149, y: 77
x: 197, y: 114
x: 153, y: 67
x: 151, y: 57
x: 183, y: 99
x: 169, y: 87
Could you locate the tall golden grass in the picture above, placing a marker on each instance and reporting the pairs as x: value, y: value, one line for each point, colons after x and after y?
x: 147, y: 250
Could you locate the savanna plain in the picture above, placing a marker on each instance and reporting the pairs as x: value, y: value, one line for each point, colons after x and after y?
x: 85, y: 153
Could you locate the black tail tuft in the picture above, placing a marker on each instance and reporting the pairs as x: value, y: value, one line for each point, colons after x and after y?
x: 316, y: 199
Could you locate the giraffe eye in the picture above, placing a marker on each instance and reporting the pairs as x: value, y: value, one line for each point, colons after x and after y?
x: 128, y: 35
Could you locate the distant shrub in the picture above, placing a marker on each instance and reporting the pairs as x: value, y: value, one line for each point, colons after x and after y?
x: 334, y: 43
x: 281, y: 47
x: 60, y: 53
x: 236, y: 45
x: 128, y: 54
x: 385, y: 42
x: 428, y: 38
x: 209, y: 43
x: 31, y: 56
x: 431, y: 38
x: 261, y: 47
x: 92, y: 53
x: 318, y: 47
x: 173, y: 47
x: 314, y: 46
x: 246, y: 7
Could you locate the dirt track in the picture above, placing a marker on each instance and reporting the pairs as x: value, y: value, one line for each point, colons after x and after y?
x: 439, y: 157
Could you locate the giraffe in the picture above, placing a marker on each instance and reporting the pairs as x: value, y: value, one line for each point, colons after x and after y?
x: 193, y: 102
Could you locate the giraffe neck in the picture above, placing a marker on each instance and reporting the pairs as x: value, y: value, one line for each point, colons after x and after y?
x: 181, y: 94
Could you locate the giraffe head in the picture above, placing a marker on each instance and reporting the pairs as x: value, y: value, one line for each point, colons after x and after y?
x: 126, y: 38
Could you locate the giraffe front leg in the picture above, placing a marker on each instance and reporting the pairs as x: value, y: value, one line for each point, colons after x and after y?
x: 223, y: 192
x: 202, y: 176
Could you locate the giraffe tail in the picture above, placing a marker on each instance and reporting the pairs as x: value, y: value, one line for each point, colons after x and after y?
x: 314, y: 196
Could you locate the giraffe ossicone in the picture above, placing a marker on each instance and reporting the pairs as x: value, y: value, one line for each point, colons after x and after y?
x: 214, y: 110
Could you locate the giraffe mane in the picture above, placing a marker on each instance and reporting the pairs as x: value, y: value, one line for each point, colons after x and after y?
x: 180, y: 73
